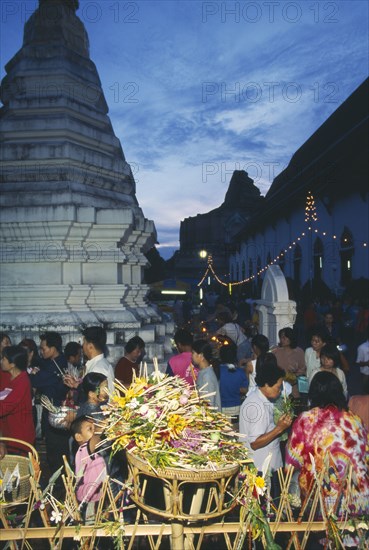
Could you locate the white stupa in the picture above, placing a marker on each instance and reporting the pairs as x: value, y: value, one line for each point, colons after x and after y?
x: 73, y: 236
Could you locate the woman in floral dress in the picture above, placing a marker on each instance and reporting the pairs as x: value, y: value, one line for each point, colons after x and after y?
x: 330, y: 434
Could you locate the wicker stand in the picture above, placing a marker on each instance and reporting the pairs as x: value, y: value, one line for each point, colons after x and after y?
x: 186, y: 495
x: 22, y: 495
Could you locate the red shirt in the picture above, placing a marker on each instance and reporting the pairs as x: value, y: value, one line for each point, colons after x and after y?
x: 16, y: 409
x: 123, y: 371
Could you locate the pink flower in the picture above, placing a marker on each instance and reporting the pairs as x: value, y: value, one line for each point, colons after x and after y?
x: 183, y: 400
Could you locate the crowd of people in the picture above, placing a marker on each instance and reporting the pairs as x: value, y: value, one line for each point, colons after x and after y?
x: 236, y: 371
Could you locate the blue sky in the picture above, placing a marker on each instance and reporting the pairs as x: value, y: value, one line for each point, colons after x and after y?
x: 198, y: 89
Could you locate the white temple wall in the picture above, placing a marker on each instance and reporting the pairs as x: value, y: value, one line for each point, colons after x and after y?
x: 352, y: 212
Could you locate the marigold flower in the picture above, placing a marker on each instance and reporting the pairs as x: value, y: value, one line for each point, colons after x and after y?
x: 176, y: 424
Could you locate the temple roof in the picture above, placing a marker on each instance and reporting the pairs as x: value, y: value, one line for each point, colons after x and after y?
x: 335, y: 152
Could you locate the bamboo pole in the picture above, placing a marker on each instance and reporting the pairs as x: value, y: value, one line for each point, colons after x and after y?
x: 143, y: 530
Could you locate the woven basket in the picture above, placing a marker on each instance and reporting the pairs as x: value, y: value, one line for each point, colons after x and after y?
x: 178, y: 485
x: 196, y: 476
x: 21, y: 493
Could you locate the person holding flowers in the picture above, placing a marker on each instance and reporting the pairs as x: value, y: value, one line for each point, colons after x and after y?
x: 207, y: 382
x: 259, y: 432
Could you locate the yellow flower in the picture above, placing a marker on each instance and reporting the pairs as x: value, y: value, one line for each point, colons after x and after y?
x: 176, y: 424
x: 145, y: 442
x: 133, y: 392
x: 121, y: 442
x: 120, y: 401
x: 260, y: 482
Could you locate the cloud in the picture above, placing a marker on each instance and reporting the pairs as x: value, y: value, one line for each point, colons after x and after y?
x: 198, y: 89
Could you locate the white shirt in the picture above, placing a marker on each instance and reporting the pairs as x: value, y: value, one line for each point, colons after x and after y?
x: 101, y: 364
x: 363, y: 356
x: 252, y: 383
x: 256, y: 419
x: 312, y: 362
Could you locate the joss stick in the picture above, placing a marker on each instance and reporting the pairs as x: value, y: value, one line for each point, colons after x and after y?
x: 156, y: 367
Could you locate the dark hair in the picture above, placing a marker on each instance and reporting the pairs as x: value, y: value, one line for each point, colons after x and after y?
x: 331, y: 352
x: 203, y: 346
x: 267, y: 370
x: 16, y: 355
x: 289, y: 333
x: 224, y: 317
x: 4, y: 335
x: 320, y: 332
x: 326, y: 389
x: 52, y: 339
x: 184, y: 337
x: 91, y: 382
x: 261, y: 342
x: 76, y: 425
x: 31, y: 345
x: 133, y: 343
x: 72, y: 349
x: 228, y: 353
x: 95, y: 336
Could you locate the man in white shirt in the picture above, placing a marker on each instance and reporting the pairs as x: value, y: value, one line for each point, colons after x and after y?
x: 94, y: 342
x: 257, y: 428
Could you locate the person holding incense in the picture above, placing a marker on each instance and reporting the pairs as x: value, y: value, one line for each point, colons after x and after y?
x: 49, y: 381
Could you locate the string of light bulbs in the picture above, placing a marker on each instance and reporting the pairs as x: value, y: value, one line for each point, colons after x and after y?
x: 310, y: 218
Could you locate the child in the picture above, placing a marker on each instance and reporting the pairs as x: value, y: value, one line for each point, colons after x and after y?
x: 330, y: 361
x: 90, y: 467
x: 94, y: 394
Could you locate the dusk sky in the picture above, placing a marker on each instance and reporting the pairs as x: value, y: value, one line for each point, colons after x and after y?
x: 198, y: 89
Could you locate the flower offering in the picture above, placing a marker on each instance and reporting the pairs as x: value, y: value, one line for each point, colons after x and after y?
x: 165, y: 422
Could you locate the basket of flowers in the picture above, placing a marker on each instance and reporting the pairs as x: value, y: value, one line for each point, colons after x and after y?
x: 172, y: 434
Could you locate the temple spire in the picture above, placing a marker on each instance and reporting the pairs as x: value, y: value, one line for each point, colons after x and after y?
x: 55, y: 21
x: 66, y: 185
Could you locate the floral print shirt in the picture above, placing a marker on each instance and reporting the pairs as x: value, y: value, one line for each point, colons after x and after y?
x: 340, y: 438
